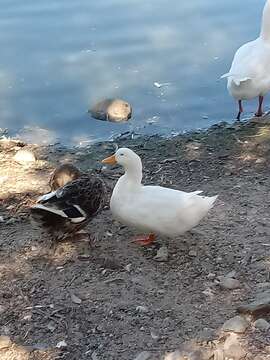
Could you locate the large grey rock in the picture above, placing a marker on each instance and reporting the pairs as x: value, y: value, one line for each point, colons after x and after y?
x: 237, y: 324
x: 115, y: 110
x: 260, y: 306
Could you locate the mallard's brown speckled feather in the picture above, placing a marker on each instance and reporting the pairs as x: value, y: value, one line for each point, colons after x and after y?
x: 68, y: 209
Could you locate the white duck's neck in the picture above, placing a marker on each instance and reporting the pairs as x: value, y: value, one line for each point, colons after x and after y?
x: 133, y: 173
x: 265, y: 30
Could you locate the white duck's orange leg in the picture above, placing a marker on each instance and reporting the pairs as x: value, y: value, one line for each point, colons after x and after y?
x: 145, y: 240
x: 260, y: 110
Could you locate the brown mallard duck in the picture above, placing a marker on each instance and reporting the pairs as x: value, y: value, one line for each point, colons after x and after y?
x: 65, y: 211
x: 62, y: 175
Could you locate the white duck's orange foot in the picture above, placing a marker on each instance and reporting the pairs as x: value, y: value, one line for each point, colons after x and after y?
x: 145, y: 240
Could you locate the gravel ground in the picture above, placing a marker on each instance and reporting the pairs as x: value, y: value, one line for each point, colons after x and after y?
x: 115, y: 300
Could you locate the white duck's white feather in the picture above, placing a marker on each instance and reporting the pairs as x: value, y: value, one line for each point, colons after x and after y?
x: 154, y: 208
x: 249, y: 75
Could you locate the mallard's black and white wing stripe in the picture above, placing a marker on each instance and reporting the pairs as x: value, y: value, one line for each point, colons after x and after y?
x: 75, y: 203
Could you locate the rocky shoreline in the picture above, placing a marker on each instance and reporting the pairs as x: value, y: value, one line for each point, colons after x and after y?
x: 208, y: 298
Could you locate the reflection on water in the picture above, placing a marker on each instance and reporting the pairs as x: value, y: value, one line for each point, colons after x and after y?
x: 58, y: 57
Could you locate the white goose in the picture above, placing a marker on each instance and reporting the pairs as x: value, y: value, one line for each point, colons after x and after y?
x: 153, y: 209
x: 249, y: 76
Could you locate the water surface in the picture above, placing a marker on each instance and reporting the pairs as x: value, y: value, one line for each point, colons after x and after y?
x: 60, y: 56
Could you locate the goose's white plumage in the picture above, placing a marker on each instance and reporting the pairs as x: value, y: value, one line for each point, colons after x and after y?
x: 153, y: 209
x: 249, y: 76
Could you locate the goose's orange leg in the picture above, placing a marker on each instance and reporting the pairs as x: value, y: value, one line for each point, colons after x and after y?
x: 145, y: 240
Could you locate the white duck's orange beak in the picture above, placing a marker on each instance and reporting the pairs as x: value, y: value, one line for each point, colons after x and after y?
x: 111, y: 160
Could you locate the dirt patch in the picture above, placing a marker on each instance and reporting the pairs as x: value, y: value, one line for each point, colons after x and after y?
x: 114, y: 301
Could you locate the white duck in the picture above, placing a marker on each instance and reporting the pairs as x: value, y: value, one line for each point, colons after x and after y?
x: 249, y: 76
x: 153, y: 209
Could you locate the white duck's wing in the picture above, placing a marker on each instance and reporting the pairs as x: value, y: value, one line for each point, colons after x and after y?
x: 164, y: 210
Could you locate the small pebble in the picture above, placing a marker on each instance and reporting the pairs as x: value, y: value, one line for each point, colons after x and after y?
x: 229, y: 283
x: 264, y: 285
x: 128, y: 267
x: 5, y: 341
x: 3, y: 179
x: 162, y: 254
x: 231, y: 274
x: 154, y: 335
x: 237, y: 324
x: 41, y: 346
x: 192, y: 253
x: 51, y: 326
x: 233, y: 349
x: 211, y: 276
x: 24, y: 157
x: 61, y: 344
x: 11, y: 221
x: 142, y: 309
x: 27, y: 317
x: 262, y: 324
x: 144, y: 355
x: 94, y: 356
x: 75, y: 299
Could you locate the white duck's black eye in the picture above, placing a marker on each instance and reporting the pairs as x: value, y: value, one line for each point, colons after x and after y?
x: 122, y: 154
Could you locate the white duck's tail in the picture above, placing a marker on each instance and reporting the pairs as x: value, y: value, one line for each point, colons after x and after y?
x: 237, y: 79
x: 211, y: 201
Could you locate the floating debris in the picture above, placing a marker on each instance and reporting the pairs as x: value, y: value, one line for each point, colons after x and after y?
x: 160, y: 85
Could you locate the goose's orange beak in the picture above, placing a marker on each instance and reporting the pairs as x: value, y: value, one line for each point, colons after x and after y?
x: 111, y: 160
